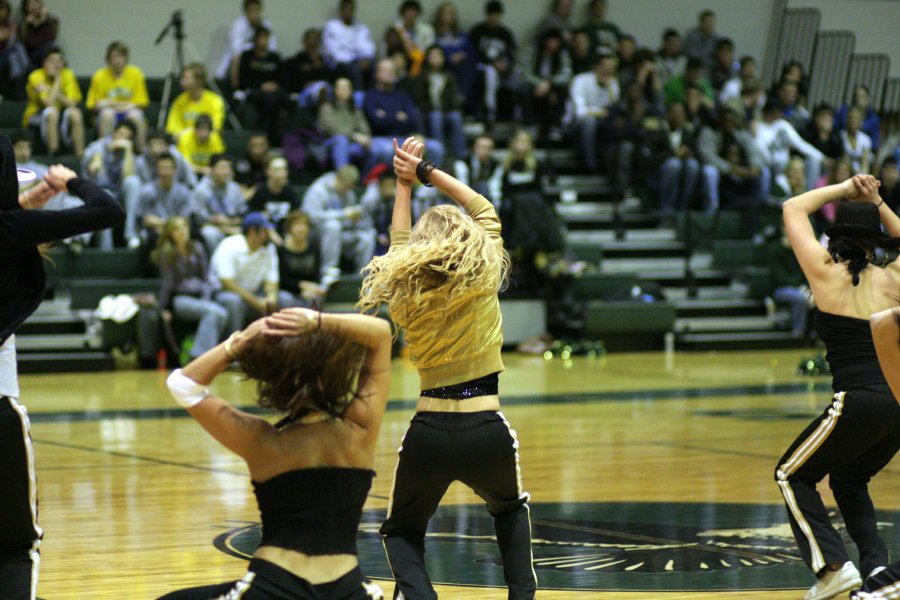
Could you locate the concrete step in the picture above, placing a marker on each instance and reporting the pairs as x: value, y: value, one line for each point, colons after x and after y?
x: 717, y: 292
x: 654, y: 267
x: 745, y: 323
x: 586, y: 208
x: 52, y: 324
x: 718, y: 308
x: 756, y: 340
x: 59, y: 306
x: 586, y: 237
x: 60, y: 342
x: 65, y: 362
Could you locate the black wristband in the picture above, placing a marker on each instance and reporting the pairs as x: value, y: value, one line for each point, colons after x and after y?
x: 423, y: 171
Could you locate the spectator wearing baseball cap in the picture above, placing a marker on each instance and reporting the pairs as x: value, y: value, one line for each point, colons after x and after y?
x: 244, y: 268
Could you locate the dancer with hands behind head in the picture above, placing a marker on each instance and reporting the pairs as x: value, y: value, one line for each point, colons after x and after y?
x: 439, y: 281
x: 883, y: 584
x: 859, y: 432
x: 328, y: 374
x: 23, y: 229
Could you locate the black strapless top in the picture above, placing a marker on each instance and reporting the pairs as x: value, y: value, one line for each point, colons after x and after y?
x: 850, y: 351
x: 315, y: 511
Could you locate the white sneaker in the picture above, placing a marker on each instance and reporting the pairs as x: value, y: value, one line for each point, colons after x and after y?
x: 134, y: 242
x: 835, y: 583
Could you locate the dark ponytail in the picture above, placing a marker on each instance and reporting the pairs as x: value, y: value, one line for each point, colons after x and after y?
x: 856, y: 252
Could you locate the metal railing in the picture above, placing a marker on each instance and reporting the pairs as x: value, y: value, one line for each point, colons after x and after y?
x: 828, y: 76
x: 870, y: 70
x: 773, y: 43
x: 890, y: 103
x: 798, y: 28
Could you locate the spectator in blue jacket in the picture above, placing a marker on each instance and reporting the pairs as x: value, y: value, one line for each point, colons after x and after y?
x: 392, y: 114
x: 871, y: 125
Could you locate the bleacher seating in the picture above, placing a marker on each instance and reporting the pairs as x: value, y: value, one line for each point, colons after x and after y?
x: 707, y: 274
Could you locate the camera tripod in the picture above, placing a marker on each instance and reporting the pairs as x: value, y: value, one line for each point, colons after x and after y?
x: 176, y: 66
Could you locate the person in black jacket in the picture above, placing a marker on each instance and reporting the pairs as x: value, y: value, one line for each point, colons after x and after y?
x: 821, y: 132
x: 23, y: 229
x: 437, y: 94
x: 258, y: 77
x: 496, y: 48
x: 668, y: 158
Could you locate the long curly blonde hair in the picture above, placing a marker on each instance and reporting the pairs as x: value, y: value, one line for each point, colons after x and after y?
x: 448, y: 257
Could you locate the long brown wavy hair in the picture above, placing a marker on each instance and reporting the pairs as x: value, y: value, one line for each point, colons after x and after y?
x: 166, y: 253
x: 303, y: 374
x: 448, y: 257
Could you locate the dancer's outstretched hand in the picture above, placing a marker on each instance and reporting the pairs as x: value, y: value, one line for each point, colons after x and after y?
x: 406, y: 159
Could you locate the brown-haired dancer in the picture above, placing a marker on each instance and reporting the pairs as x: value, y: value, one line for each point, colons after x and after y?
x: 439, y: 281
x: 884, y: 584
x: 23, y: 229
x: 328, y: 375
x: 859, y: 432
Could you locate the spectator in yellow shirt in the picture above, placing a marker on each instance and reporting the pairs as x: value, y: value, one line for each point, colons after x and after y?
x: 194, y: 101
x: 118, y: 91
x: 53, y: 98
x: 200, y: 144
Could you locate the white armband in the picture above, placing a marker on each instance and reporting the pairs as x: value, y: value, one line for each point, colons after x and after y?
x: 185, y: 390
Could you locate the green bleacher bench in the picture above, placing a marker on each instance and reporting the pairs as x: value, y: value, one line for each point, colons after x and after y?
x: 120, y: 263
x: 84, y: 82
x: 726, y: 224
x: 155, y: 86
x: 603, y: 286
x: 730, y: 255
x: 629, y: 317
x: 86, y: 293
x: 345, y: 290
x: 235, y: 141
x: 590, y: 253
x: 151, y: 113
x: 11, y: 112
x: 758, y: 280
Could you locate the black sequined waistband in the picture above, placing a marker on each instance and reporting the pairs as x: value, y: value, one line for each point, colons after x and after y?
x: 483, y: 386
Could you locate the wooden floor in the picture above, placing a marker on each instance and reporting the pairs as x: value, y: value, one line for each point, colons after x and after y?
x: 132, y: 493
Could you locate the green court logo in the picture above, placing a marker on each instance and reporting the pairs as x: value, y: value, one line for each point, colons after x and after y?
x: 640, y: 546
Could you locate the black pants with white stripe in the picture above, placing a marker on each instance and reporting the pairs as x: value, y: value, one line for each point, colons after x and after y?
x: 480, y: 450
x: 20, y: 536
x: 851, y: 441
x: 266, y: 581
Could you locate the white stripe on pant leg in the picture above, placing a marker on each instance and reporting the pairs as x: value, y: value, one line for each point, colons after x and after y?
x: 34, y: 553
x: 240, y: 588
x: 390, y: 507
x: 800, y: 456
x: 397, y: 466
x: 512, y: 434
x: 818, y: 561
x: 521, y: 492
x: 812, y: 443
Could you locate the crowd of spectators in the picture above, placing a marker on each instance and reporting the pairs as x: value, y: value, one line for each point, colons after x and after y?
x: 688, y: 124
